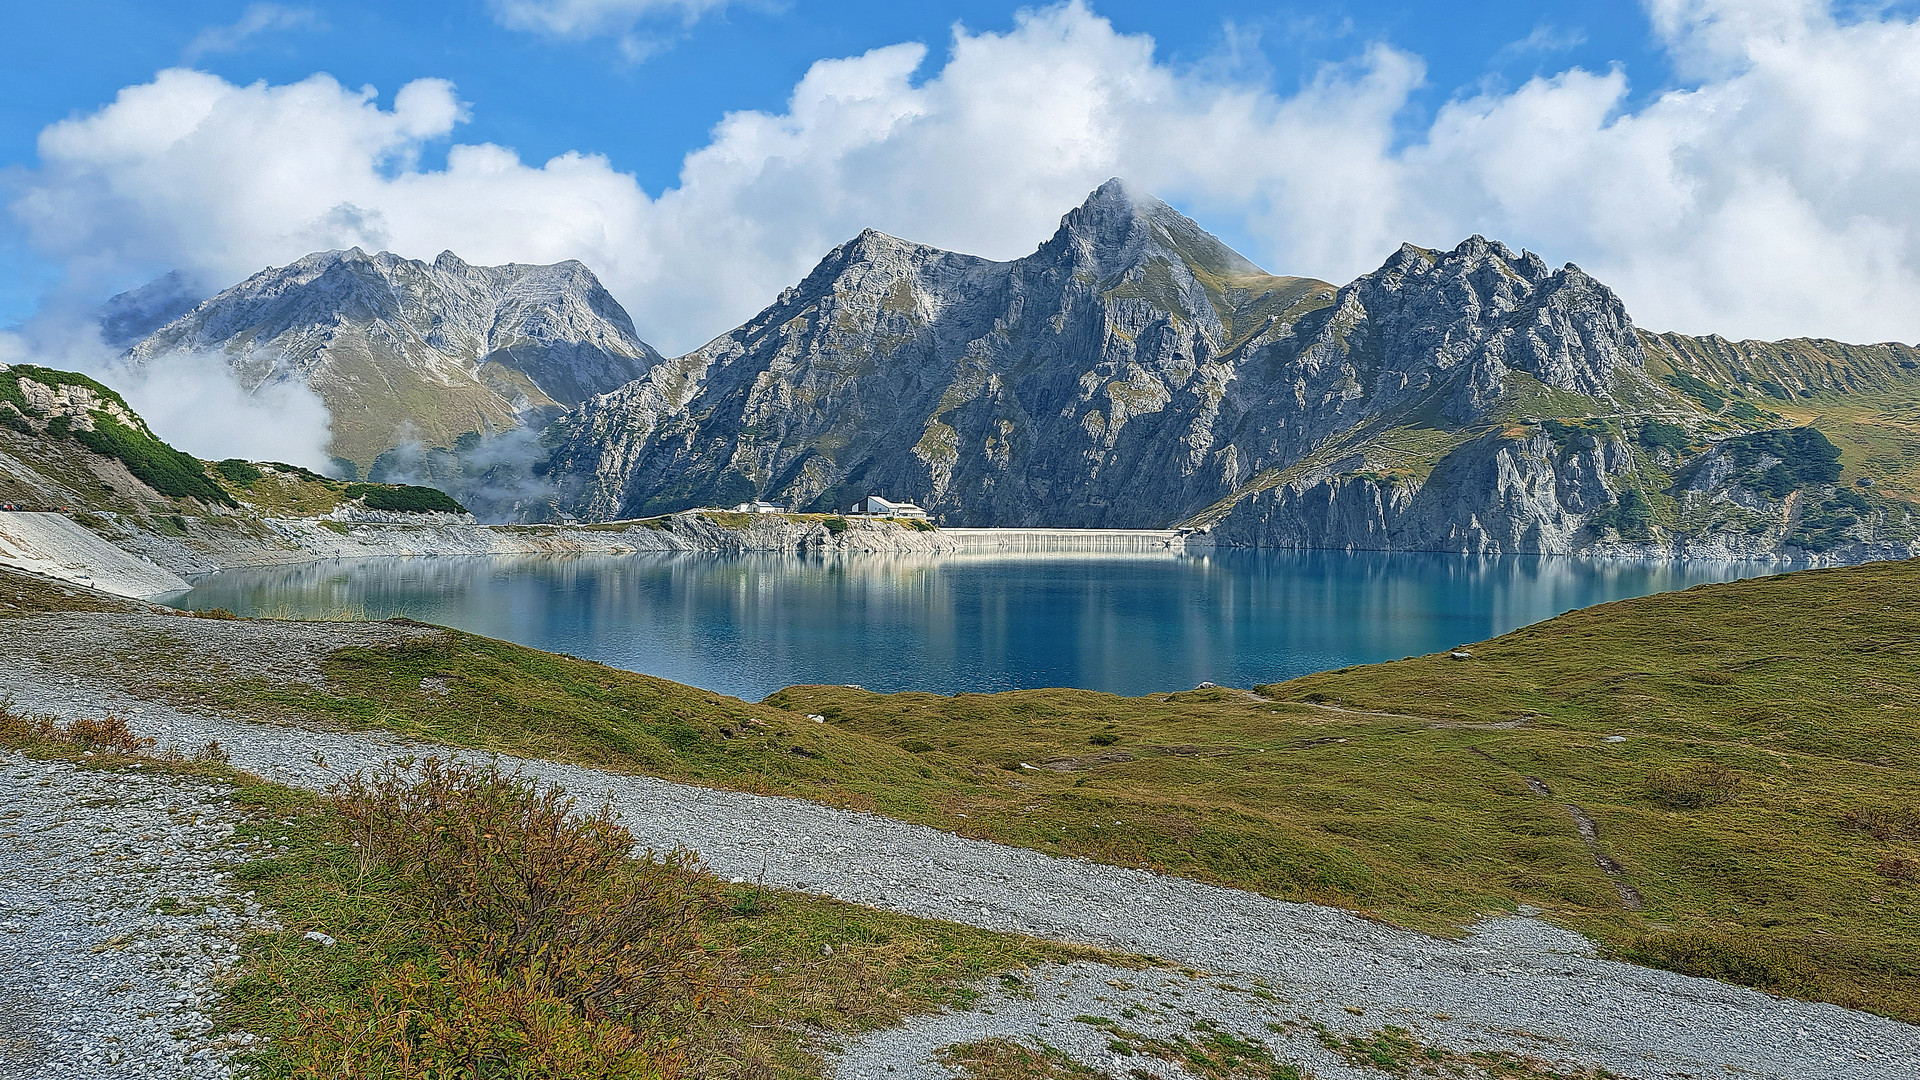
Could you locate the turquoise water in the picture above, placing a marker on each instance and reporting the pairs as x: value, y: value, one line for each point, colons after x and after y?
x: 748, y: 625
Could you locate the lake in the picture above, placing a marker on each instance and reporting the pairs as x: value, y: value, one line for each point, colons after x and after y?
x: 751, y: 624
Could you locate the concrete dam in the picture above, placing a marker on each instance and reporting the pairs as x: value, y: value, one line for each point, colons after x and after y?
x: 1068, y: 541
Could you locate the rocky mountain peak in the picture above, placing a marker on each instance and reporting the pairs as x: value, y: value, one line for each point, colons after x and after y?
x: 399, y: 347
x: 129, y: 316
x: 1485, y: 310
x: 1117, y: 229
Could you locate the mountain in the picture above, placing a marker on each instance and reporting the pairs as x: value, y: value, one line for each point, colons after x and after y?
x: 404, y: 351
x: 1135, y: 372
x: 1046, y: 390
x: 132, y: 315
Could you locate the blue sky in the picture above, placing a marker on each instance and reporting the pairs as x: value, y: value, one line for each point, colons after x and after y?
x: 1706, y: 157
x: 545, y: 96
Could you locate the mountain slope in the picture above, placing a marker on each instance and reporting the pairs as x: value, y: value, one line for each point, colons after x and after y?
x: 1040, y: 391
x: 1134, y: 372
x: 402, y: 350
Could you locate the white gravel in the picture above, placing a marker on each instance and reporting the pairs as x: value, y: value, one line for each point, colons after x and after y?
x: 94, y: 981
x: 1516, y: 983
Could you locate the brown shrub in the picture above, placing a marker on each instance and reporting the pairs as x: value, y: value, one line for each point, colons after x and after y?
x: 544, y: 906
x: 17, y: 728
x: 1708, y: 785
x: 1882, y: 824
x: 1899, y: 869
x: 459, y: 1018
x: 107, y: 733
x: 1712, y: 678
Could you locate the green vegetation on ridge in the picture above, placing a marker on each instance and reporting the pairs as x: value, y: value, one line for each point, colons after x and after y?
x: 122, y: 437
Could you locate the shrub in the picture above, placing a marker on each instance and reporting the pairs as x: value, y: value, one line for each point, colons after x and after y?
x: 1631, y: 516
x: 916, y: 746
x: 1701, y: 390
x: 551, y: 943
x: 1829, y: 524
x: 238, y: 471
x: 1898, y: 869
x: 309, y: 475
x: 1103, y: 738
x: 1805, y: 457
x: 836, y: 524
x: 1882, y: 824
x: 1741, y: 960
x: 405, y: 499
x: 1709, y: 785
x: 108, y: 733
x: 157, y: 465
x: 1658, y: 434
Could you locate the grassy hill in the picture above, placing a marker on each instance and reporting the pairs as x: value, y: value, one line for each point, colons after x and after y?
x: 1744, y: 757
x: 69, y: 442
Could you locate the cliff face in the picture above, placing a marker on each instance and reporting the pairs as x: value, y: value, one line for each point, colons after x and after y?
x: 402, y: 350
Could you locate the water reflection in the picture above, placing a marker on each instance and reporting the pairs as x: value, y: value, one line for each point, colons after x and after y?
x: 751, y: 624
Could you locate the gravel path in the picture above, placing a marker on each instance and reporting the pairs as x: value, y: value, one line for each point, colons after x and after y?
x: 1518, y: 984
x: 94, y: 981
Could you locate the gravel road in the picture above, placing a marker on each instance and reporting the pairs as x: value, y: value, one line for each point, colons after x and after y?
x: 1517, y: 983
x: 95, y: 981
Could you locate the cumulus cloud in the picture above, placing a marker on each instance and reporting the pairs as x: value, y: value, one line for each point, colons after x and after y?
x: 194, y: 402
x: 1773, y: 195
x: 258, y: 19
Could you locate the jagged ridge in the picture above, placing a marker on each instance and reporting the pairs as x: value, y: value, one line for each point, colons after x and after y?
x: 401, y: 349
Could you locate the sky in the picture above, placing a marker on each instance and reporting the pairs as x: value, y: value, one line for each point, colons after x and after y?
x: 1747, y: 167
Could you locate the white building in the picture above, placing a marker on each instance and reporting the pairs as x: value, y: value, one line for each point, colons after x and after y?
x: 875, y: 506
x: 759, y: 507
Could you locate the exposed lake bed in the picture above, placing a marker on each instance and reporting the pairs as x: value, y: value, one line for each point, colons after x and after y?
x: 749, y: 624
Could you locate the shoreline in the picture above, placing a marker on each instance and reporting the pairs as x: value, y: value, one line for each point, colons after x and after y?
x: 138, y: 558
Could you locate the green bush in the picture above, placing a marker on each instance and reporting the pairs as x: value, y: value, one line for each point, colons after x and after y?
x: 1742, y: 959
x: 552, y: 952
x: 1708, y: 785
x: 1631, y: 516
x: 836, y: 524
x: 1704, y: 392
x: 1658, y: 434
x: 1805, y: 456
x: 157, y: 465
x: 238, y: 471
x: 1829, y: 524
x: 405, y: 499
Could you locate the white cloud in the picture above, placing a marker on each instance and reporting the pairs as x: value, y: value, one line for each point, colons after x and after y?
x: 1779, y: 195
x: 257, y: 19
x: 620, y: 19
x: 194, y: 402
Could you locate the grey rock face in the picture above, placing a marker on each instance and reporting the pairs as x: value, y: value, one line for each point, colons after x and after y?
x: 401, y: 349
x: 1130, y: 373
x: 1047, y: 390
x: 1134, y: 372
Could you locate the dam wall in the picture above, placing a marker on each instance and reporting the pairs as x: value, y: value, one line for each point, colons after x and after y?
x: 1067, y: 541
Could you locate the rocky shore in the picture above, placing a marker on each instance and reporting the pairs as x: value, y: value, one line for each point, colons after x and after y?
x: 133, y: 557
